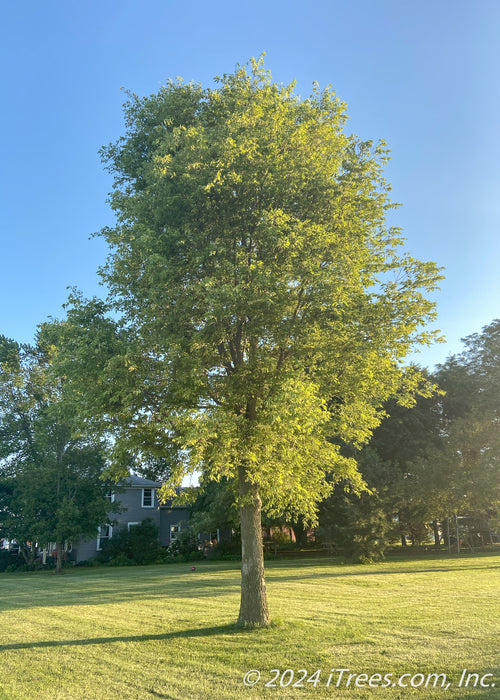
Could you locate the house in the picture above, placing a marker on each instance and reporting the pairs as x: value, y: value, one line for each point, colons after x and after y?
x: 137, y: 500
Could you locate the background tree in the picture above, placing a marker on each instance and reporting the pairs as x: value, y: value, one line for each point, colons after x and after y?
x: 214, y: 508
x: 51, y: 487
x: 357, y: 525
x: 264, y: 300
x: 406, y: 435
x: 463, y: 471
x: 429, y: 462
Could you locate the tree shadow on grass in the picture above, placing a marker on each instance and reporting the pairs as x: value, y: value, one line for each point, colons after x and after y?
x: 381, y: 569
x: 229, y: 629
x: 363, y: 571
x: 81, y: 591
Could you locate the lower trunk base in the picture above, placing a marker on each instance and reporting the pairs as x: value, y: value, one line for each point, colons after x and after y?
x: 253, y: 607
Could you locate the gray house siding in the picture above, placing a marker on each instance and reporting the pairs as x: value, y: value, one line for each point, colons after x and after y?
x: 172, y: 521
x: 86, y: 549
x: 137, y: 499
x: 132, y: 501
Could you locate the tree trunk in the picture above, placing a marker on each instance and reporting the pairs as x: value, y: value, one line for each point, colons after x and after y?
x: 29, y: 555
x: 59, y: 555
x: 300, y: 532
x: 446, y: 534
x: 437, y: 535
x: 253, y: 608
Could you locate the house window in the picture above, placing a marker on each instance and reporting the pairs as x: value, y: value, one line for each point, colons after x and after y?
x: 129, y: 525
x: 110, y: 496
x: 103, y: 533
x: 174, y: 532
x: 147, y: 498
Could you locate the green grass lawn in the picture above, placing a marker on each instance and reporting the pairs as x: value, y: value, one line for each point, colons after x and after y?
x: 167, y: 632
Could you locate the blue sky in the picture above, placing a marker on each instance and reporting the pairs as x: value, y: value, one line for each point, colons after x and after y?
x: 422, y: 75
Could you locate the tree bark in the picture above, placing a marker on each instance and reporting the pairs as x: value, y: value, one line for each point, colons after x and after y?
x: 29, y: 555
x: 300, y: 532
x: 59, y: 555
x: 437, y: 535
x: 253, y: 607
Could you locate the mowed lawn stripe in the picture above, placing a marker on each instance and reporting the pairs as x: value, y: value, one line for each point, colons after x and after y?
x: 149, y: 632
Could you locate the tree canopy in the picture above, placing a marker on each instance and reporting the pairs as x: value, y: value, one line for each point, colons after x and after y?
x: 51, y: 490
x: 267, y: 306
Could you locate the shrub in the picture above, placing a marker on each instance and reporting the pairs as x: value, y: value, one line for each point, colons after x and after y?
x: 117, y: 544
x: 185, y: 548
x: 6, y: 559
x: 281, y: 537
x: 135, y: 545
x: 10, y: 562
x: 228, y: 550
x: 144, y: 547
x: 122, y: 560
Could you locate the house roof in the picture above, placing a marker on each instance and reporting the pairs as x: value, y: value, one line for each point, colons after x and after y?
x: 134, y: 481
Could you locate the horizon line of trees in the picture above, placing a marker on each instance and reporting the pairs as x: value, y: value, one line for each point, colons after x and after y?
x: 423, y: 466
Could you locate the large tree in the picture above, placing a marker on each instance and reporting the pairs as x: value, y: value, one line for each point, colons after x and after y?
x: 51, y: 490
x: 463, y: 470
x: 265, y: 301
x: 440, y: 458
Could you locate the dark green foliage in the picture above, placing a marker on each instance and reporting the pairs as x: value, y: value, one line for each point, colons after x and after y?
x: 11, y: 562
x: 390, y: 466
x: 396, y: 506
x: 227, y: 549
x: 135, y: 545
x: 115, y: 545
x: 356, y: 524
x: 51, y: 465
x: 215, y: 507
x: 143, y: 542
x: 461, y: 467
x: 186, y: 547
x: 7, y: 559
x: 430, y: 462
